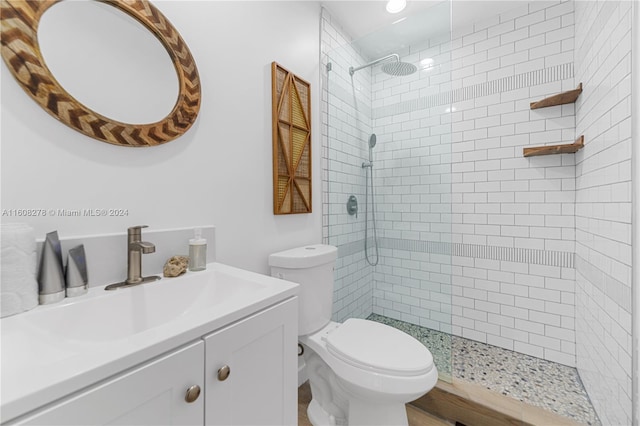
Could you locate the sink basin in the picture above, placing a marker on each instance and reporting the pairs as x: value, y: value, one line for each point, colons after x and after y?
x: 51, y: 350
x: 105, y: 316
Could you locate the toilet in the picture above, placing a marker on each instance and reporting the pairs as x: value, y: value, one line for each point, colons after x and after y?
x: 361, y: 372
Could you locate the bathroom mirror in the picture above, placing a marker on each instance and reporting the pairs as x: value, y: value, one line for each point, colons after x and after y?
x: 123, y: 73
x: 175, y: 104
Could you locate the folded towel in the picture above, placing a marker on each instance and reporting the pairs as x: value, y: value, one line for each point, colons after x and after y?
x: 18, y: 284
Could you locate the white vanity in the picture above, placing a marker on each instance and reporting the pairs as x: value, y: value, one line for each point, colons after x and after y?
x: 217, y: 347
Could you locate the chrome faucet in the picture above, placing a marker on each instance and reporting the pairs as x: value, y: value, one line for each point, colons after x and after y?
x: 135, y: 249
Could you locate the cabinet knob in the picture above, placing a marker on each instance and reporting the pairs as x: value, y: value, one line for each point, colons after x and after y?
x: 223, y: 373
x: 192, y: 394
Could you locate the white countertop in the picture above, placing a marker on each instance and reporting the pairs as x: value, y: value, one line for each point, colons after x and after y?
x: 54, y: 350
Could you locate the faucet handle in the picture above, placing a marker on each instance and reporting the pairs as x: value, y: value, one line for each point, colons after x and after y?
x: 136, y: 230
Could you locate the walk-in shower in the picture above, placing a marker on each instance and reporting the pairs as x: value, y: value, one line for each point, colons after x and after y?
x: 471, y: 239
x: 390, y: 151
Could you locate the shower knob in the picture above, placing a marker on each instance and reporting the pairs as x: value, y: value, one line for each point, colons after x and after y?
x: 352, y: 206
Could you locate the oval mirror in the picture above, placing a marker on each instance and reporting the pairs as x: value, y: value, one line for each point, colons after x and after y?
x: 21, y: 52
x: 108, y: 61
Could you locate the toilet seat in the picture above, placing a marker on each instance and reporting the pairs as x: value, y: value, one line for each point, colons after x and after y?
x: 377, y: 347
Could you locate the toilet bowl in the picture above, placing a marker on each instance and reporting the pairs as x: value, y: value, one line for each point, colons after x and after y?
x: 360, y: 372
x: 375, y: 369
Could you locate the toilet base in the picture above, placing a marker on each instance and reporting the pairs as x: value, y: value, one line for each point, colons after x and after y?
x: 318, y: 417
x: 363, y: 413
x: 334, y: 402
x: 329, y: 403
x: 360, y: 415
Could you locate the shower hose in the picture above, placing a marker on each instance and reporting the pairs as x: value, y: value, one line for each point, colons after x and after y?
x: 369, y: 174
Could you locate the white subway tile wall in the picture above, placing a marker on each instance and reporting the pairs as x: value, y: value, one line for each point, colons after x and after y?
x: 450, y: 170
x: 346, y: 125
x: 603, y: 206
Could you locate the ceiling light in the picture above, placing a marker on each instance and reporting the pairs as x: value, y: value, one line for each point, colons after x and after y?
x: 395, y: 6
x: 426, y: 64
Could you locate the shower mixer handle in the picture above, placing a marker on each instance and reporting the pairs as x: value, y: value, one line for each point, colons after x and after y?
x: 352, y: 206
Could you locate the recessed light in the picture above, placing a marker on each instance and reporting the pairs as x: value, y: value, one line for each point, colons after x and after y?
x: 395, y: 6
x: 426, y: 63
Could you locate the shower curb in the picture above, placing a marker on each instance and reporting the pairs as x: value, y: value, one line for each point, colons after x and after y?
x: 470, y: 404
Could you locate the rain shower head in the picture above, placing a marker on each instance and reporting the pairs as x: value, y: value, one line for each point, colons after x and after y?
x: 399, y: 69
x: 395, y: 68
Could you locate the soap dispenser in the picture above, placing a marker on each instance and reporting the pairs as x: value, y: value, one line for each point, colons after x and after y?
x: 197, y: 252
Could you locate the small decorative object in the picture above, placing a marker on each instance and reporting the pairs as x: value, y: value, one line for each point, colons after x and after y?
x: 76, y: 273
x: 51, y: 282
x: 176, y: 266
x: 21, y: 52
x: 291, y: 99
x: 197, y: 251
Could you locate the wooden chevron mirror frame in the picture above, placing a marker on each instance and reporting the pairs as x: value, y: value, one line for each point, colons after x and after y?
x: 19, y: 21
x: 291, y: 115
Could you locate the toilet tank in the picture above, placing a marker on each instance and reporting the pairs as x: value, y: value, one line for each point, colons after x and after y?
x: 312, y: 268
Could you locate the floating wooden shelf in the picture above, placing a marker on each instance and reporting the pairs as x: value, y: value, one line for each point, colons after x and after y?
x: 555, y: 149
x: 559, y: 99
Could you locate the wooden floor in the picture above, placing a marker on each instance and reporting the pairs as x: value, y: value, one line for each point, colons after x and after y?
x: 462, y: 404
x: 416, y: 416
x: 470, y: 404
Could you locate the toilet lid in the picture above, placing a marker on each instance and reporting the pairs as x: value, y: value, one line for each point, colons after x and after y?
x: 373, y: 346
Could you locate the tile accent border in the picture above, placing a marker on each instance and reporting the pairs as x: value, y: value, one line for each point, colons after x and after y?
x: 562, y: 259
x: 505, y: 84
x: 509, y: 254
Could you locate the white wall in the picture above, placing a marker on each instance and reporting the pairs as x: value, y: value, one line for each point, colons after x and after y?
x: 219, y: 173
x: 603, y: 206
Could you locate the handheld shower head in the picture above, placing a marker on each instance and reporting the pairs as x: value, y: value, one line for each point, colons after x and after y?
x: 372, y: 140
x: 372, y: 143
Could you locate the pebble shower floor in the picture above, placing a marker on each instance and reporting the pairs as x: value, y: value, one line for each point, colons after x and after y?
x: 545, y: 384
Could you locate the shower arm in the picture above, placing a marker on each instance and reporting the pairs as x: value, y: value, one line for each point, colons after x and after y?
x: 352, y: 70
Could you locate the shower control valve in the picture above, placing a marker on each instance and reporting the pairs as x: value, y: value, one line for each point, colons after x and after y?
x: 352, y: 206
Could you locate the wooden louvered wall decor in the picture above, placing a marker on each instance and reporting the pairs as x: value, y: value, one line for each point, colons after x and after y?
x: 21, y: 52
x: 291, y: 97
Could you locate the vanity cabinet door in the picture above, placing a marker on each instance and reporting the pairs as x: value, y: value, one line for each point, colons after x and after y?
x: 251, y: 369
x: 151, y: 394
